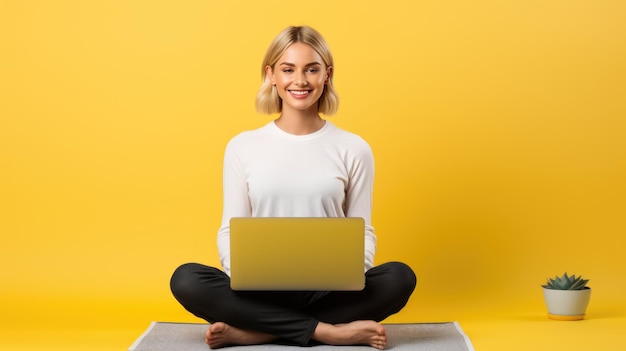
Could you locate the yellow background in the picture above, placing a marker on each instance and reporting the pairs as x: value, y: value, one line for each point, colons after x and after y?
x: 498, y: 129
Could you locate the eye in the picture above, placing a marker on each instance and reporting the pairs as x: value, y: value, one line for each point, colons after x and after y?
x: 287, y: 70
x: 312, y: 70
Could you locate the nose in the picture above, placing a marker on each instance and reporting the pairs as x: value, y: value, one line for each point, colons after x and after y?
x: 301, y: 79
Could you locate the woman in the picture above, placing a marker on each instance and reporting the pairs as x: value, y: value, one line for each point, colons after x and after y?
x: 299, y: 165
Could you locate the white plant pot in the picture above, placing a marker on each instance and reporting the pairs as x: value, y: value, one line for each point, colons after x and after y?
x: 567, y: 305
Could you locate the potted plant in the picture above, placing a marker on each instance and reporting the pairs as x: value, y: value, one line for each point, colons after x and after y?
x: 566, y: 297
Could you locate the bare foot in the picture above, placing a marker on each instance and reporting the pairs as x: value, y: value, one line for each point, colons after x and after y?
x: 354, y: 333
x: 221, y: 334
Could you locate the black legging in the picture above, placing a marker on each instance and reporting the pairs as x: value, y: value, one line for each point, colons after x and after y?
x: 291, y: 315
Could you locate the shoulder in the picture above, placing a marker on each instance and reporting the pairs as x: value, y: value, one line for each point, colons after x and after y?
x: 350, y: 140
x: 246, y: 138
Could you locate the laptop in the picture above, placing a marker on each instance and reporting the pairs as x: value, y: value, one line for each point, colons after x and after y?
x: 293, y: 253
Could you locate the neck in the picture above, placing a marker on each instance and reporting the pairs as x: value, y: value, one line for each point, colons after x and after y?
x: 300, y: 122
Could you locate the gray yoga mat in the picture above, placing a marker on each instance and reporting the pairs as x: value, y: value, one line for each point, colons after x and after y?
x: 162, y: 336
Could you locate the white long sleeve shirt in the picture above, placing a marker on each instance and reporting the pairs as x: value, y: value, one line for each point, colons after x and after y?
x: 271, y: 173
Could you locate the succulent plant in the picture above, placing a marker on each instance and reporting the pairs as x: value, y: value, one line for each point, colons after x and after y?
x: 566, y: 282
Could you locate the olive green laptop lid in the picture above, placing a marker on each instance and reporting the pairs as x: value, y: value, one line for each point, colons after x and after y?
x: 297, y: 253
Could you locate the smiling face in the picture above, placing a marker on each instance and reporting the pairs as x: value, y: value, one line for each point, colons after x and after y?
x: 300, y: 76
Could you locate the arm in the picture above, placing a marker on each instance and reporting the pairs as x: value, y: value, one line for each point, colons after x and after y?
x: 235, y: 201
x: 359, y: 195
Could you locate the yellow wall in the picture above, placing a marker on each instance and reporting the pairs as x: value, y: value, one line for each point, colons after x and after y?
x: 498, y: 129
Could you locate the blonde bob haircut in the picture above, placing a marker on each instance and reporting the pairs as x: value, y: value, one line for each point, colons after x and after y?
x: 267, y: 99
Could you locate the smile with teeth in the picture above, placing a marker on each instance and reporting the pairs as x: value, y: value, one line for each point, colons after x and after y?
x: 299, y: 92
